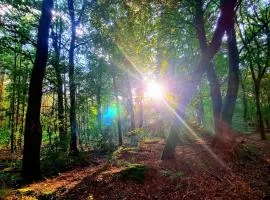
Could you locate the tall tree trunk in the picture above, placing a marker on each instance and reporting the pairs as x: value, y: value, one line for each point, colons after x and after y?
x: 23, y: 112
x: 60, y: 103
x: 225, y: 138
x: 141, y: 97
x: 260, y: 124
x: 119, y: 125
x: 99, y: 106
x: 211, y: 74
x: 130, y: 103
x: 12, y: 105
x: 244, y: 99
x: 72, y: 87
x: 189, y: 88
x: 233, y: 82
x: 2, y: 79
x: 66, y: 104
x: 215, y: 96
x: 18, y: 96
x: 33, y: 130
x: 200, y: 109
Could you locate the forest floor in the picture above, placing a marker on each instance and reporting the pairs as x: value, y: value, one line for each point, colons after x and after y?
x: 138, y: 173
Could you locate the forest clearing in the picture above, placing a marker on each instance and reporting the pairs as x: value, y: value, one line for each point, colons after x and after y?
x: 134, y: 99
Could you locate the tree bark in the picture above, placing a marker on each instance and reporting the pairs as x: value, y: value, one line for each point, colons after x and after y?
x: 98, y: 97
x: 140, y: 94
x: 66, y: 104
x: 233, y: 82
x: 244, y: 100
x: 12, y: 105
x: 119, y: 125
x: 33, y: 130
x: 72, y: 87
x: 56, y: 64
x: 130, y: 104
x: 200, y: 109
x: 2, y: 79
x: 23, y: 111
x: 260, y: 124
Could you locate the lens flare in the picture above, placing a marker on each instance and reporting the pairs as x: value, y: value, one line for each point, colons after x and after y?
x: 154, y: 90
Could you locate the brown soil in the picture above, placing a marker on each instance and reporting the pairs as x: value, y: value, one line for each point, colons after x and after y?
x: 196, y: 173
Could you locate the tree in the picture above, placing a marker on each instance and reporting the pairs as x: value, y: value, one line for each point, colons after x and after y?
x: 72, y: 87
x: 57, y: 39
x: 33, y: 130
x: 222, y: 112
x: 255, y: 39
x: 225, y: 20
x: 119, y: 126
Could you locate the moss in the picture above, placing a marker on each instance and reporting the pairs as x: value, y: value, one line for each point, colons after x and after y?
x: 117, y: 153
x: 134, y: 172
x: 26, y: 191
x: 151, y: 140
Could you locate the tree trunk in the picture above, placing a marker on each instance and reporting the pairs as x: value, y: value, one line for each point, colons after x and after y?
x: 2, y: 79
x: 33, y: 131
x: 200, y: 109
x: 60, y: 103
x: 23, y: 111
x: 130, y: 103
x: 72, y: 87
x: 244, y: 99
x: 99, y: 107
x: 189, y: 88
x: 225, y: 138
x: 119, y: 125
x: 211, y: 74
x: 12, y: 105
x: 66, y: 104
x: 233, y: 82
x: 171, y: 142
x: 140, y: 94
x: 260, y: 124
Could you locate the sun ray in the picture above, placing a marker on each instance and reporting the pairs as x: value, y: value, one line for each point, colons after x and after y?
x: 204, y: 145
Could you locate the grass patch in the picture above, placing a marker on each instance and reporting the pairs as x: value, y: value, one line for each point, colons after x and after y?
x: 134, y: 172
